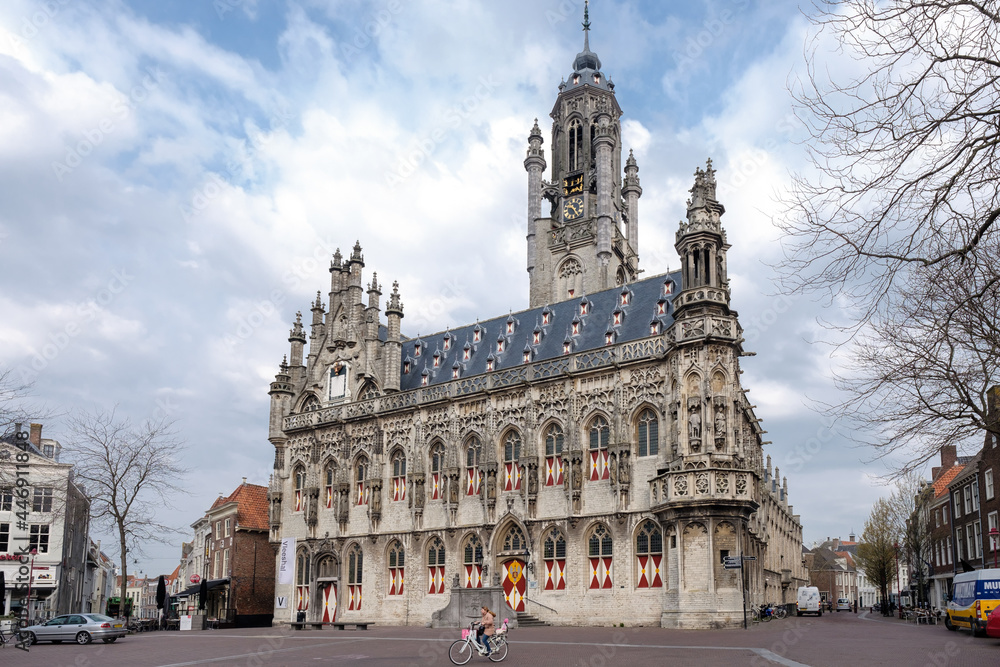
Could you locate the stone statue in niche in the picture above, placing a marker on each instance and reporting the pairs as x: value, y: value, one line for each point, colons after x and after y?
x: 453, y: 488
x: 613, y: 469
x: 419, y: 495
x: 491, y: 486
x: 720, y: 421
x: 625, y: 475
x: 694, y: 423
x: 532, y: 481
x: 376, y: 492
x: 577, y: 475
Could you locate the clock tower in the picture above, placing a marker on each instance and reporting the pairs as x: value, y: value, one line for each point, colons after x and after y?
x: 589, y: 241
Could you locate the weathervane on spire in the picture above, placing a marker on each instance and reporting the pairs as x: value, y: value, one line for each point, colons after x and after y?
x: 586, y: 25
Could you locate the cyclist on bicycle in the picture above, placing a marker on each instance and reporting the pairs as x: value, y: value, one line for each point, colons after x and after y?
x: 485, y: 631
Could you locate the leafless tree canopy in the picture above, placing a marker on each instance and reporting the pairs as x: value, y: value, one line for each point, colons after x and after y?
x: 896, y: 221
x: 16, y: 406
x: 876, y: 555
x: 130, y: 472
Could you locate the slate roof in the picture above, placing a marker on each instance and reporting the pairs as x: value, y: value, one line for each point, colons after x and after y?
x: 251, y: 506
x: 644, y: 298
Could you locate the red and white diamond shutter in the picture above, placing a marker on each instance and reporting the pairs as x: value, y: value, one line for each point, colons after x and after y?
x: 472, y: 481
x: 396, y: 568
x: 302, y: 598
x: 600, y: 573
x: 514, y: 584
x: 649, y: 555
x: 473, y: 576
x: 599, y: 549
x: 600, y: 436
x: 555, y: 579
x: 330, y: 603
x: 298, y: 500
x: 436, y: 486
x: 354, y: 597
x: 435, y: 575
x: 512, y: 477
x: 553, y: 471
x: 329, y: 497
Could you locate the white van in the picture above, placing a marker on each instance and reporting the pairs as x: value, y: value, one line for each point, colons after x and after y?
x: 808, y: 601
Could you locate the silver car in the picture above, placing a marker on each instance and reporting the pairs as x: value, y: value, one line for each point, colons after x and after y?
x: 81, y: 628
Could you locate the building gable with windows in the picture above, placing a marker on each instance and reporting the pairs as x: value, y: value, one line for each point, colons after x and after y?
x: 594, y: 456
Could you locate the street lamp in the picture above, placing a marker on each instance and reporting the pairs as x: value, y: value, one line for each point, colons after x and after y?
x: 899, y: 591
x: 995, y: 537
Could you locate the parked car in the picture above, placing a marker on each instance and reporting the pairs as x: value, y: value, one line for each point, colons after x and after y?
x: 81, y: 628
x: 843, y: 604
x: 808, y: 601
x: 976, y: 595
x: 993, y: 623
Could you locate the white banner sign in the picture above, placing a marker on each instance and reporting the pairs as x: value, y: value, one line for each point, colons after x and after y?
x: 286, y: 561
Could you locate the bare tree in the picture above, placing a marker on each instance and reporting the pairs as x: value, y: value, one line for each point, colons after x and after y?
x: 896, y: 221
x: 16, y: 406
x: 129, y: 472
x: 876, y: 555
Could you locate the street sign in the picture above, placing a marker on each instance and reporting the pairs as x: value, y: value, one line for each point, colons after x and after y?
x: 733, y: 566
x: 732, y: 563
x: 749, y: 558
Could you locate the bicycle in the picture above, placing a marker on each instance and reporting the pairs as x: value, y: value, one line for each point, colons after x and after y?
x: 14, y: 637
x: 780, y: 612
x: 462, y: 650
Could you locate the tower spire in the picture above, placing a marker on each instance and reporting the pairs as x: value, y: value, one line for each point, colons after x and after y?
x: 586, y: 25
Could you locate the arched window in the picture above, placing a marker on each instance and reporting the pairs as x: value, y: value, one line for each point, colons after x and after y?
x: 472, y: 560
x: 437, y: 468
x: 649, y: 555
x: 302, y: 579
x: 398, y: 476
x: 554, y: 555
x: 361, y: 480
x: 397, y: 563
x: 368, y: 391
x: 311, y: 404
x: 600, y: 435
x: 514, y: 540
x: 327, y: 567
x: 328, y: 479
x: 511, y: 458
x: 599, y: 550
x: 553, y: 455
x: 435, y: 567
x: 299, y: 484
x: 575, y: 146
x: 648, y: 433
x: 355, y: 569
x: 473, y: 449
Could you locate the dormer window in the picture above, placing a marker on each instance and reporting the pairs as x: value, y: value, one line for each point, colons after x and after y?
x: 416, y: 349
x: 597, y: 78
x: 455, y: 371
x: 546, y: 317
x: 584, y: 307
x: 499, y: 345
x: 406, y: 367
x: 576, y: 327
x: 617, y: 317
x: 447, y: 342
x: 609, y: 338
x: 467, y: 352
x: 536, y: 336
x: 424, y: 379
x: 654, y: 328
x: 490, y: 363
x: 624, y: 297
x: 477, y: 334
x: 567, y: 346
x: 437, y: 359
x: 510, y: 324
x: 668, y: 287
x: 661, y: 307
x: 527, y: 355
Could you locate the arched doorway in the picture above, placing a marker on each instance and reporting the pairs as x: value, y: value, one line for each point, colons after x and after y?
x: 327, y: 578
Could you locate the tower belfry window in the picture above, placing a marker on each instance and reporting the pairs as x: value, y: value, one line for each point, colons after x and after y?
x: 575, y: 141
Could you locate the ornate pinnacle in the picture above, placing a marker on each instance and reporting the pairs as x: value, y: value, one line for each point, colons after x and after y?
x: 394, y: 303
x: 356, y: 255
x: 318, y: 303
x: 375, y: 287
x: 337, y: 259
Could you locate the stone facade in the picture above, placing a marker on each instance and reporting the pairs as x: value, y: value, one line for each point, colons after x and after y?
x: 594, y: 457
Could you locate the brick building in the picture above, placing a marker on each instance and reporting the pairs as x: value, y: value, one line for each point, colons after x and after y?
x: 940, y: 525
x: 989, y: 469
x: 239, y: 558
x: 967, y: 524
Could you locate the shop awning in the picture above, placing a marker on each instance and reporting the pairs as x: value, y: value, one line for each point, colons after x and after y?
x: 193, y: 590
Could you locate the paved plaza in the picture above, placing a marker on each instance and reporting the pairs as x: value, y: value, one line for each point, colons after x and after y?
x: 834, y: 639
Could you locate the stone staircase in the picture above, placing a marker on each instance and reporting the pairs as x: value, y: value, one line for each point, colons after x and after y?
x: 529, y: 621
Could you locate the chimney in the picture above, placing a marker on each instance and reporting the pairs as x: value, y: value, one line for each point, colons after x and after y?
x: 244, y: 481
x: 35, y: 437
x: 949, y: 457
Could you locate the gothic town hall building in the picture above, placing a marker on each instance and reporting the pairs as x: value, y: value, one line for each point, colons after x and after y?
x: 592, y: 459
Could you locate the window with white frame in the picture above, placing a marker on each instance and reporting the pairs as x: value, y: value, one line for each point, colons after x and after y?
x: 42, y: 500
x: 944, y: 513
x: 948, y: 540
x: 970, y: 541
x: 968, y: 499
x: 937, y: 519
x: 959, y: 543
x: 978, y: 528
x: 988, y: 482
x: 4, y: 537
x: 225, y: 563
x: 38, y: 538
x: 991, y: 522
x: 958, y: 503
x: 6, y: 498
x: 975, y: 496
x: 229, y: 523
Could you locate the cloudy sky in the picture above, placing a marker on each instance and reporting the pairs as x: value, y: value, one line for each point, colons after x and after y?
x: 175, y: 176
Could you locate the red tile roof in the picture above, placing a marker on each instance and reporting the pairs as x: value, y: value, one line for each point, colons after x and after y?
x: 941, y: 483
x: 252, y: 506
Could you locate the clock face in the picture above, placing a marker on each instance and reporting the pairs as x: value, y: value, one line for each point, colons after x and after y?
x: 572, y: 208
